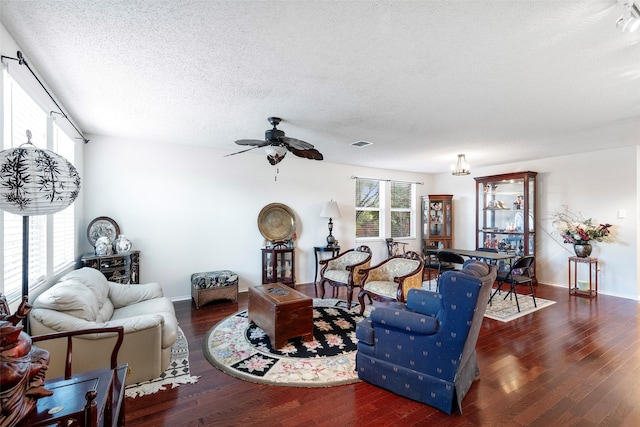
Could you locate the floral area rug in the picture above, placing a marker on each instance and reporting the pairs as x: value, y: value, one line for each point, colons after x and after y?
x: 243, y: 350
x: 505, y: 310
x: 175, y: 375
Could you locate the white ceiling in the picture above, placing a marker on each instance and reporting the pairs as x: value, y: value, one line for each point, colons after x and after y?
x: 500, y: 81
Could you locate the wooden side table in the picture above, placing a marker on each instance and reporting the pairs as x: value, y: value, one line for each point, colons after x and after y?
x: 592, y: 264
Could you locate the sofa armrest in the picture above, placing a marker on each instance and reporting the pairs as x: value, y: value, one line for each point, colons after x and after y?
x: 405, y: 320
x: 123, y: 295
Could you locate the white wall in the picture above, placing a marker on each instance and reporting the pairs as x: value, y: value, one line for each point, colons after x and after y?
x: 189, y: 209
x: 598, y: 184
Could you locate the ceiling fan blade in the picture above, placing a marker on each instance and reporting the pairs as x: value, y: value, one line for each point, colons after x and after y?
x: 312, y: 153
x: 296, y: 143
x: 243, y: 151
x: 256, y: 142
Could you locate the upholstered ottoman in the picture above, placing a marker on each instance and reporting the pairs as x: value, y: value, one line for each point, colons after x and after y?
x: 214, y: 285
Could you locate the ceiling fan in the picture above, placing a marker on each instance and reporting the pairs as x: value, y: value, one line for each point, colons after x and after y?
x: 276, y: 145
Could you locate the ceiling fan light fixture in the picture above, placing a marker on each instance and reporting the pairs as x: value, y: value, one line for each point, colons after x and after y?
x: 461, y: 167
x: 275, y: 150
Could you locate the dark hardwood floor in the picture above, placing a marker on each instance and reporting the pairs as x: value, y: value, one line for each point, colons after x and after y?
x: 574, y: 363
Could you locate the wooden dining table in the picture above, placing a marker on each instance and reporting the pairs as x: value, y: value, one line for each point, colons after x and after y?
x: 491, y: 256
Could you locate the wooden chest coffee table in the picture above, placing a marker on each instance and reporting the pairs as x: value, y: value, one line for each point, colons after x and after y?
x: 282, y: 312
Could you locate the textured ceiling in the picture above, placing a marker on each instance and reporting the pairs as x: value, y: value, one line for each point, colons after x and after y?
x: 500, y: 81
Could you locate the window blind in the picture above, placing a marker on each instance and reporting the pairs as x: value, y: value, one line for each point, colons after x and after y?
x: 22, y: 112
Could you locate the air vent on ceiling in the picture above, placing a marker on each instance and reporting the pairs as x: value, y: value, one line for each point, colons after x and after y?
x: 361, y: 144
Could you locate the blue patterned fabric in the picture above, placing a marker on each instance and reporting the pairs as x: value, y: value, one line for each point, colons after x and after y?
x: 425, y: 350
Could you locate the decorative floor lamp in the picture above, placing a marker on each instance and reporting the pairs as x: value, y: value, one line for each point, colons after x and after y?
x: 35, y: 181
x: 330, y: 211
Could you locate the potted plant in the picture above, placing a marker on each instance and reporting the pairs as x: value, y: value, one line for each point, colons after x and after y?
x: 580, y: 231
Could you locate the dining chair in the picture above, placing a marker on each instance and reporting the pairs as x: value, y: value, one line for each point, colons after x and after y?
x: 446, y: 262
x: 519, y: 274
x: 489, y: 250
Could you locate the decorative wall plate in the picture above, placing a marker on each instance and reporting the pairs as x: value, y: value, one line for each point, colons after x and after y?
x: 277, y: 222
x: 102, y: 226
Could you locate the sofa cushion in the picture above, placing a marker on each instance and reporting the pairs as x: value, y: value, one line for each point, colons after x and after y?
x: 92, y: 279
x: 72, y: 298
x: 340, y: 276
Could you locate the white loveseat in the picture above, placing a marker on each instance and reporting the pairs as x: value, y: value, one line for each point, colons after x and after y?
x: 84, y: 299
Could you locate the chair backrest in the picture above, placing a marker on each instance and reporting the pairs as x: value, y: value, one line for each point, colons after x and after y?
x: 523, y: 265
x: 349, y: 258
x: 393, y: 248
x: 397, y: 266
x: 446, y: 256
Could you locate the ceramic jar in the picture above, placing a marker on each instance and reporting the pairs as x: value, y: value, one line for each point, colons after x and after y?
x: 103, y: 246
x: 122, y: 244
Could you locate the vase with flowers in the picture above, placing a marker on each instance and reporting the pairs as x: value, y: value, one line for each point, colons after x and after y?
x: 580, y: 231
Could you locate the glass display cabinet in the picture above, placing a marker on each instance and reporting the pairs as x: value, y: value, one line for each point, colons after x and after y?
x: 278, y: 266
x: 437, y: 221
x: 506, y: 212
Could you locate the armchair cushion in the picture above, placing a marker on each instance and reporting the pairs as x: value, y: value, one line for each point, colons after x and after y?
x: 72, y: 298
x: 340, y: 276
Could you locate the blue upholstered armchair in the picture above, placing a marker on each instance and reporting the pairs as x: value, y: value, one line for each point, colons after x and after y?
x: 425, y: 349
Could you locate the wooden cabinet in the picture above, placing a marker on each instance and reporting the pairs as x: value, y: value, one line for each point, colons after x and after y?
x: 437, y: 221
x: 119, y: 268
x: 506, y: 213
x: 278, y: 266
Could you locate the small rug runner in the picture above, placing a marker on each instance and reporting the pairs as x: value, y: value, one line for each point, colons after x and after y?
x: 242, y: 349
x: 506, y: 310
x: 175, y: 375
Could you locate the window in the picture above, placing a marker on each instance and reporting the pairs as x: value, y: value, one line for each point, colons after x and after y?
x: 384, y: 209
x: 51, y: 237
x: 401, y: 212
x: 367, y: 208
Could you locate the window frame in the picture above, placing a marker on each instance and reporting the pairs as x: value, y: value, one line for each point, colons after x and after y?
x: 57, y: 138
x: 385, y: 211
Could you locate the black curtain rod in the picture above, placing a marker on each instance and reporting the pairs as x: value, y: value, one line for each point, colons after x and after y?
x: 23, y: 61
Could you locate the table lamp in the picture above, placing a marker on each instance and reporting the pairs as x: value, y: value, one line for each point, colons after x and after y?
x: 330, y: 211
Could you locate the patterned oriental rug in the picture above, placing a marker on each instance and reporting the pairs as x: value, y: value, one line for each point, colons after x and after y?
x: 175, y: 375
x: 242, y: 349
x: 506, y: 310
